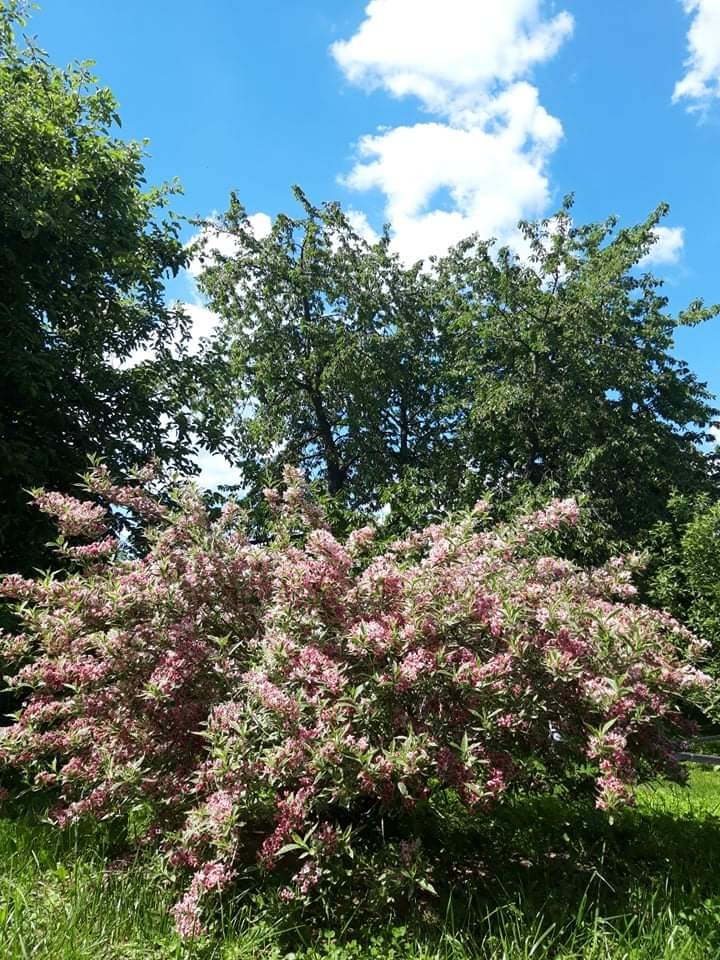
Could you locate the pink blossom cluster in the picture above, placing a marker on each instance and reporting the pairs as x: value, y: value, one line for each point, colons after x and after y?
x: 280, y: 708
x: 135, y: 498
x: 75, y: 518
x: 92, y: 552
x: 187, y: 911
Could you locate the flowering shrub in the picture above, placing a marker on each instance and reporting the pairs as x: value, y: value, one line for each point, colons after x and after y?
x: 303, y: 712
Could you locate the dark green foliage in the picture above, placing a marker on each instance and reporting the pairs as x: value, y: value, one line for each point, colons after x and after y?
x: 425, y: 388
x: 701, y: 555
x: 563, y: 371
x: 82, y: 269
x: 684, y: 566
x: 326, y: 356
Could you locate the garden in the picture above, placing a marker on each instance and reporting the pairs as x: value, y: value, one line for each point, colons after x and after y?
x: 439, y: 677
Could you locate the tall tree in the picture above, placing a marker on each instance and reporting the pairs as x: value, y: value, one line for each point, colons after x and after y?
x: 563, y: 369
x: 83, y: 262
x: 325, y: 355
x: 425, y: 386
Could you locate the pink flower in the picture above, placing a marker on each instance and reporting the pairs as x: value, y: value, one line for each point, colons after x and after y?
x: 420, y: 662
x: 314, y: 667
x: 321, y: 543
x: 75, y: 518
x: 269, y: 694
x: 291, y: 812
x: 307, y: 877
x: 186, y: 914
x: 359, y: 539
x: 212, y: 876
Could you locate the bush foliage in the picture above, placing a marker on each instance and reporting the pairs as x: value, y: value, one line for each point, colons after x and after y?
x: 308, y: 714
x: 684, y: 570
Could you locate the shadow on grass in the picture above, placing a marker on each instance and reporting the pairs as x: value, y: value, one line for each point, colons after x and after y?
x: 546, y: 869
x: 574, y: 867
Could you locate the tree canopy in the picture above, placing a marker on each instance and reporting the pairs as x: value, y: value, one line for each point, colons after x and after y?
x: 83, y: 263
x: 545, y: 369
x: 326, y: 355
x: 425, y: 386
x: 563, y: 368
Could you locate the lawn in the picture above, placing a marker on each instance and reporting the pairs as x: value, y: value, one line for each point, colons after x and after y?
x: 646, y: 887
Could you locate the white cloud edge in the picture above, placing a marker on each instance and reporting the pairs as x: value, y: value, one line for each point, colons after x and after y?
x: 216, y: 471
x: 667, y: 249
x: 220, y: 242
x: 700, y: 84
x: 490, y: 147
x: 449, y: 56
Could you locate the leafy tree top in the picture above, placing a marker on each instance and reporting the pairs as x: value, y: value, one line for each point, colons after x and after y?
x: 564, y: 367
x: 87, y: 247
x: 423, y: 386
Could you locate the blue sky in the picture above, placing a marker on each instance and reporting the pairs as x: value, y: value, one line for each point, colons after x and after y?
x: 443, y: 116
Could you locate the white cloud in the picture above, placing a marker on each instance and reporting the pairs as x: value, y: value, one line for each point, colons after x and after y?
x: 220, y: 242
x: 701, y: 82
x: 667, y: 248
x: 203, y: 321
x: 261, y: 224
x: 486, y: 155
x: 361, y: 225
x: 134, y: 359
x: 215, y: 471
x: 492, y: 177
x: 447, y: 53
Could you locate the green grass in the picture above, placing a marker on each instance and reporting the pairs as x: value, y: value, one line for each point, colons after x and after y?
x: 644, y: 888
